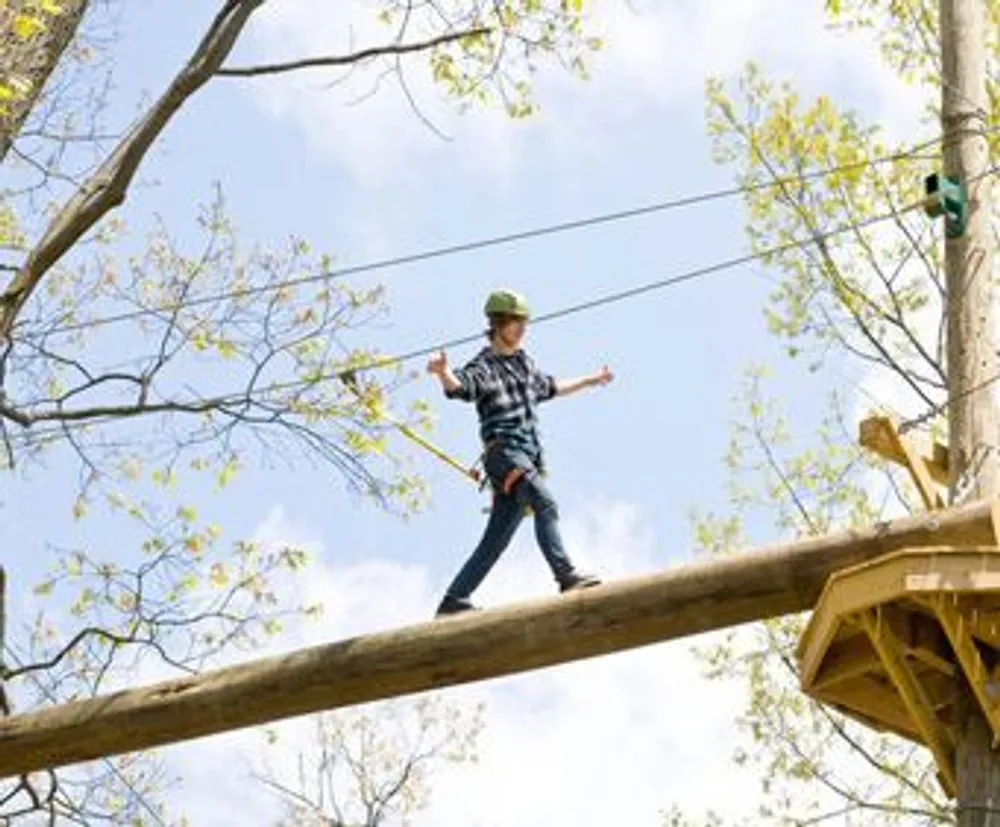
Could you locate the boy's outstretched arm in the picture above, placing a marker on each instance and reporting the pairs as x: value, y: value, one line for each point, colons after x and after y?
x: 564, y: 387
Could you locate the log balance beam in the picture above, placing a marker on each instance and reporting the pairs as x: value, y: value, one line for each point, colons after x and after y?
x: 689, y: 599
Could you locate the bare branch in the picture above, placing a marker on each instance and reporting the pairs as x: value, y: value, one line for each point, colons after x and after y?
x: 353, y: 57
x: 55, y: 660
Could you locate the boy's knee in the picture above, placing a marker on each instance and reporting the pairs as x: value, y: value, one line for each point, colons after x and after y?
x: 535, y: 494
x: 548, y: 507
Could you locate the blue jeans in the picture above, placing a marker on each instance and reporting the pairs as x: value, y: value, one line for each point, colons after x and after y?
x: 505, y: 517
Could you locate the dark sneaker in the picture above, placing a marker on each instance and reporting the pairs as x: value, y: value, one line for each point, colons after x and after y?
x: 578, y: 581
x: 454, y: 605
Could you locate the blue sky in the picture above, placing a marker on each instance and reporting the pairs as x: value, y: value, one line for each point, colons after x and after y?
x: 369, y: 182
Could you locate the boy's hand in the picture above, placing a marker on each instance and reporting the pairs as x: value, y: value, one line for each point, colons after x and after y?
x: 438, y: 364
x: 603, y: 376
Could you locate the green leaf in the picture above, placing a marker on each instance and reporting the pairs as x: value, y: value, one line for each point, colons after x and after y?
x: 226, y: 348
x: 227, y: 473
x: 219, y: 577
x: 194, y: 543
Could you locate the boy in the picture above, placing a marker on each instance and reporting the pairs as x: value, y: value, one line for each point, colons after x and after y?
x: 506, y: 386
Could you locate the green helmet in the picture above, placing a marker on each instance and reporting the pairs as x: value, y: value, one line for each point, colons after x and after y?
x: 506, y: 303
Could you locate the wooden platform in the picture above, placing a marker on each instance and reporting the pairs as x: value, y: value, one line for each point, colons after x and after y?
x: 896, y: 642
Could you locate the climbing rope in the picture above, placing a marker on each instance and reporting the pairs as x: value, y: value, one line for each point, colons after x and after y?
x: 350, y: 380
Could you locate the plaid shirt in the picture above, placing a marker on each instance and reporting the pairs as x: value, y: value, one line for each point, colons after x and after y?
x: 507, y: 391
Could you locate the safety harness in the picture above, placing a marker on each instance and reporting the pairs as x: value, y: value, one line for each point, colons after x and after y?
x: 473, y: 473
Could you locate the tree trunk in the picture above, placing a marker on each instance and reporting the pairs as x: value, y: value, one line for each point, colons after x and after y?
x: 972, y: 361
x: 30, y: 61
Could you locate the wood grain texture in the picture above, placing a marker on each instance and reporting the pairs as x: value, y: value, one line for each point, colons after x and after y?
x: 684, y: 600
x: 973, y: 427
x: 32, y: 59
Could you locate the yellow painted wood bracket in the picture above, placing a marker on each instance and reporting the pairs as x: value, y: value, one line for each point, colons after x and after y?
x: 953, y: 617
x: 880, y: 435
x: 914, y: 697
x: 898, y: 641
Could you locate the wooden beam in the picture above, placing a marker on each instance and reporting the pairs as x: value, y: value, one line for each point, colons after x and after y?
x: 985, y: 626
x: 919, y: 468
x: 879, y: 434
x: 921, y: 637
x: 845, y: 660
x: 955, y: 624
x: 684, y: 600
x: 919, y: 705
x: 854, y: 656
x: 873, y: 704
x: 944, y: 693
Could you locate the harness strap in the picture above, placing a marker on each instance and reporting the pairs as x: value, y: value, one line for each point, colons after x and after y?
x: 512, y: 479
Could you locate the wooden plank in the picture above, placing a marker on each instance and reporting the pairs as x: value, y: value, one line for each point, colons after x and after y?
x: 844, y: 661
x: 920, y: 707
x: 847, y: 594
x: 853, y: 658
x: 918, y: 468
x: 853, y: 690
x: 956, y: 626
x: 963, y: 581
x: 907, y: 574
x: 932, y: 659
x: 986, y: 626
x: 683, y: 600
x: 866, y: 700
x: 942, y: 691
x: 921, y: 637
x: 875, y: 434
x: 886, y: 579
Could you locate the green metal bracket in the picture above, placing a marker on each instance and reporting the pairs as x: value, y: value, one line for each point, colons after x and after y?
x: 947, y: 196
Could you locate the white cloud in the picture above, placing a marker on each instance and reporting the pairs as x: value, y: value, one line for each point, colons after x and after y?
x: 657, y: 54
x: 609, y: 740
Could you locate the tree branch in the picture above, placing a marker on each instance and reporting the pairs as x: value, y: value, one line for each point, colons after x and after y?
x: 107, y: 187
x: 838, y: 280
x: 77, y: 639
x: 352, y: 57
x: 115, y: 411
